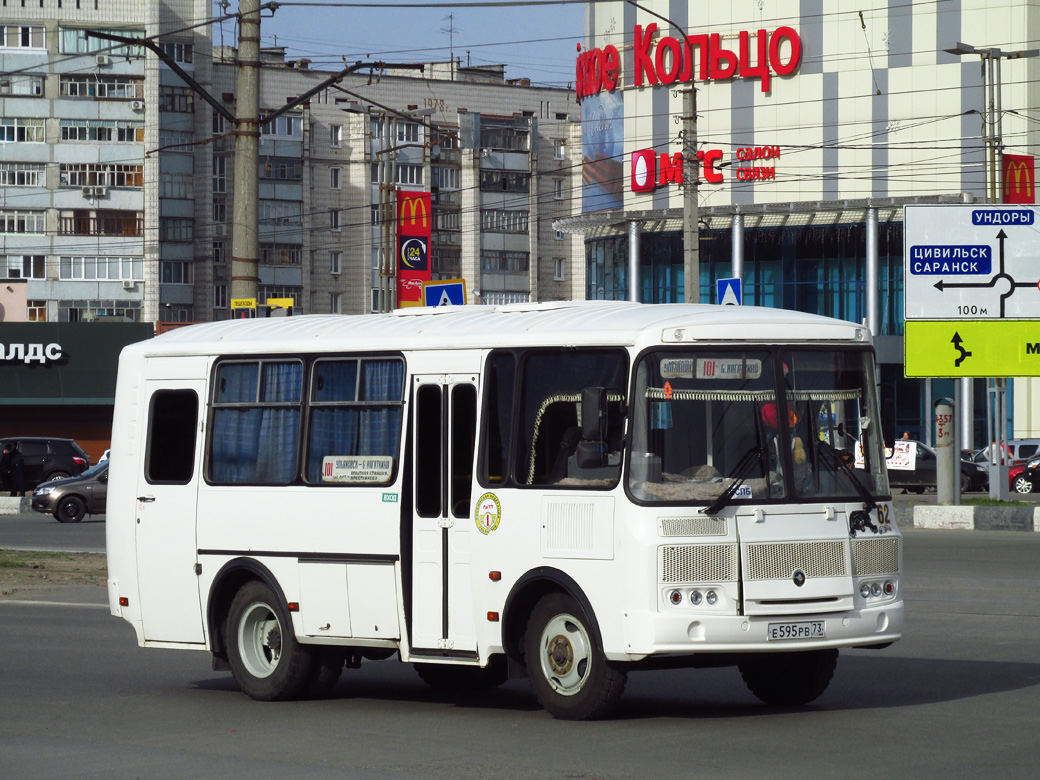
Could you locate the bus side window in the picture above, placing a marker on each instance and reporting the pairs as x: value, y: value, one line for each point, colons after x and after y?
x: 498, y: 417
x: 172, y: 423
x: 463, y: 437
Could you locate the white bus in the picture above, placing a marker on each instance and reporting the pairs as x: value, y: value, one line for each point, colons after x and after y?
x: 564, y: 491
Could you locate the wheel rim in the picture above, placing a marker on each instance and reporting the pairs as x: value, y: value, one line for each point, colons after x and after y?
x: 69, y: 510
x: 1023, y: 485
x: 260, y: 640
x: 566, y: 654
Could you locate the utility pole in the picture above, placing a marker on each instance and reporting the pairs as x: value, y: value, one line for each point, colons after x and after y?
x: 691, y: 217
x: 245, y: 241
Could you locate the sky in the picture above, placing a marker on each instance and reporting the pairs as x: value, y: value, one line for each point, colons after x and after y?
x: 536, y: 42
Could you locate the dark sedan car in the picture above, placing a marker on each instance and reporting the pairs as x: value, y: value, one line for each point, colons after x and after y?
x: 69, y: 500
x: 922, y: 477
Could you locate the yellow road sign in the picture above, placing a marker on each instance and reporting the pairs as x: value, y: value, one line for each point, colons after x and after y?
x: 243, y: 303
x: 982, y: 348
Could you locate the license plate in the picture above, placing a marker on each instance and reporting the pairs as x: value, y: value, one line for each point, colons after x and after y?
x: 809, y: 629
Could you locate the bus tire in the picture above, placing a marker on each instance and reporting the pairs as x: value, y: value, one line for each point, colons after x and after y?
x: 789, y: 679
x: 266, y: 660
x: 571, y: 677
x: 454, y: 677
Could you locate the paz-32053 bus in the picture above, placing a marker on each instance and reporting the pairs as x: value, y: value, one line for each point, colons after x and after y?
x: 559, y: 491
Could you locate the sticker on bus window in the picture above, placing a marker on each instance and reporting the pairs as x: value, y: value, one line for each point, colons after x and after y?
x: 709, y: 368
x: 356, y: 468
x: 489, y: 513
x: 677, y: 368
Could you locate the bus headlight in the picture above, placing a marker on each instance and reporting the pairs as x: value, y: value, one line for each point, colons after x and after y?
x: 695, y: 597
x: 712, y: 597
x: 864, y: 590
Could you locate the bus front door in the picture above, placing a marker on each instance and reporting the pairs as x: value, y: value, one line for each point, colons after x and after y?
x: 167, y: 494
x: 443, y: 427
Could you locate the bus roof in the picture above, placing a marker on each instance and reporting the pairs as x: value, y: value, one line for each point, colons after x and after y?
x: 563, y: 323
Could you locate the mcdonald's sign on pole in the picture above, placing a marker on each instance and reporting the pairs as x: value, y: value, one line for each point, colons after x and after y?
x: 413, y: 246
x: 1019, y: 179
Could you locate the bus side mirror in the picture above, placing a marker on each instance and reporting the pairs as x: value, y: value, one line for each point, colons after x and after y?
x: 592, y: 449
x: 594, y: 414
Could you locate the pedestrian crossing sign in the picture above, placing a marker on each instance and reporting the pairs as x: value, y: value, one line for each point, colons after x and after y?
x: 444, y: 292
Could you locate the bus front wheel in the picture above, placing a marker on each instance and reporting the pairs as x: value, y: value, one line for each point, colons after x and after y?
x: 571, y: 677
x: 266, y: 660
x: 789, y: 679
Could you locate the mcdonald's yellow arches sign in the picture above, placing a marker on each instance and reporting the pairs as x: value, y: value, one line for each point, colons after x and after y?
x: 1019, y: 179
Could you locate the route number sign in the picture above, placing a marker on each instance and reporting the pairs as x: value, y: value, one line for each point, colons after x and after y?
x: 971, y: 262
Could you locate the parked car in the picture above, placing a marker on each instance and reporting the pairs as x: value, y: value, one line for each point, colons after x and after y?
x: 45, y: 458
x: 974, y: 476
x: 1025, y: 477
x: 70, y: 499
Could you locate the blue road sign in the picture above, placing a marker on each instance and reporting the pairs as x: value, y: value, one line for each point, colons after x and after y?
x: 728, y: 292
x: 445, y: 292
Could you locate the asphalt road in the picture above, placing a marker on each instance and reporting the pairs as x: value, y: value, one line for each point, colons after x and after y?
x: 959, y: 696
x: 38, y: 531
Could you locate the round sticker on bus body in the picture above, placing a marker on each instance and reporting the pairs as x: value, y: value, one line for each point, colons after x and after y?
x: 489, y: 513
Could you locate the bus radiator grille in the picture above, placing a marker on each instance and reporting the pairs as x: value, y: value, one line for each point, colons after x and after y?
x: 875, y: 556
x: 692, y: 526
x: 699, y: 563
x: 779, y: 561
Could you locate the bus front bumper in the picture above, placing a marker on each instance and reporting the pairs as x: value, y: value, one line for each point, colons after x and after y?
x: 656, y: 633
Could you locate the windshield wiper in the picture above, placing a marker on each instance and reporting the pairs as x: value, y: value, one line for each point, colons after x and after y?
x: 740, y: 473
x: 859, y: 520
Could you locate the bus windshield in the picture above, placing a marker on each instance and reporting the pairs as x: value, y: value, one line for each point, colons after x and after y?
x: 720, y: 426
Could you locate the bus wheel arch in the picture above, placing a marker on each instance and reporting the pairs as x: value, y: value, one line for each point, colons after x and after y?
x: 232, y: 576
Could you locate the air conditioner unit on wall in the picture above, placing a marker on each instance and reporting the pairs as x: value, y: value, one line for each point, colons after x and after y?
x: 102, y: 59
x: 127, y: 284
x: 137, y: 105
x: 94, y: 192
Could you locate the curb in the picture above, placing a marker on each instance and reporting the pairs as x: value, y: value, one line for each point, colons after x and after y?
x: 977, y: 518
x: 15, y: 506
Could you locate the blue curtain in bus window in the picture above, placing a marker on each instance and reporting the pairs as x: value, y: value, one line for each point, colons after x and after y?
x: 258, y: 444
x: 349, y: 428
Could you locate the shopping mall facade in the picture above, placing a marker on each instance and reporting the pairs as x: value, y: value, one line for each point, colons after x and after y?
x: 814, y: 128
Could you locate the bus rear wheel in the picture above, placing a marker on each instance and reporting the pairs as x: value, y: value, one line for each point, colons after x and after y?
x: 789, y: 679
x: 571, y: 677
x: 266, y: 660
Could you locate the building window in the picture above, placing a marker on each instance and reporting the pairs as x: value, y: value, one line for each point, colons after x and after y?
x: 219, y: 210
x: 74, y: 40
x: 559, y: 149
x: 89, y: 311
x: 509, y: 139
x: 15, y: 174
x: 407, y: 132
x: 335, y: 177
x: 101, y: 87
x: 504, y: 181
x: 220, y: 296
x: 334, y: 219
x: 20, y: 129
x: 100, y: 222
x: 100, y: 175
x: 178, y: 99
x: 336, y: 303
x: 288, y: 212
x: 559, y: 235
x: 266, y: 293
x: 285, y: 126
x: 335, y: 260
x: 281, y: 254
x: 504, y: 220
x: 558, y: 189
x: 178, y: 52
x: 24, y: 267
x: 13, y: 221
x: 129, y: 269
x: 101, y: 131
x: 409, y: 174
x: 36, y: 311
x: 22, y: 37
x: 180, y: 229
x: 176, y: 272
x: 21, y: 85
x: 219, y: 252
x: 282, y: 169
x: 498, y: 261
x: 336, y: 136
x: 445, y: 178
x: 220, y: 174
x: 559, y: 265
